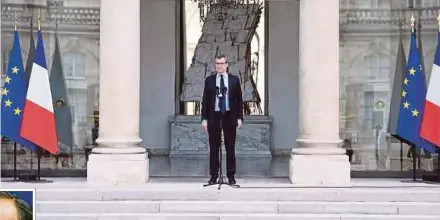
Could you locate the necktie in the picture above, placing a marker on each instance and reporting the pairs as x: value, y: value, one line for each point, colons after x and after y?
x: 222, y: 90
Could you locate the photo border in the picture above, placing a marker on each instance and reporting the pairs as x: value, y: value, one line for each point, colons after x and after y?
x: 34, y: 197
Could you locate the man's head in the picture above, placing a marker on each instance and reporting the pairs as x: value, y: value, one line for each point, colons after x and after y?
x: 13, y: 208
x: 221, y: 64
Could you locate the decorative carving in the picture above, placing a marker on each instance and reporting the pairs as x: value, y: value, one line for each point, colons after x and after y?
x: 231, y: 36
x: 378, y: 16
x: 53, y: 12
x: 221, y: 8
x: 253, y: 140
x: 88, y: 16
x: 55, y: 3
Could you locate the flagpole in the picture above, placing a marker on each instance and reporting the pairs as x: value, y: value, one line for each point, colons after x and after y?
x: 31, y: 34
x: 412, y: 22
x: 15, y: 22
x: 398, y: 64
x: 435, y: 177
x: 38, y: 19
x: 401, y: 142
x: 413, y: 147
x: 39, y: 148
x: 438, y: 149
x: 30, y: 176
x: 15, y: 143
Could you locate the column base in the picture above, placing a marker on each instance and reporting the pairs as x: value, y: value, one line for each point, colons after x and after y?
x: 118, y: 168
x: 319, y: 170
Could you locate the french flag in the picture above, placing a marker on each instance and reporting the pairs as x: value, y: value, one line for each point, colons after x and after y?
x: 38, y: 123
x: 430, y: 127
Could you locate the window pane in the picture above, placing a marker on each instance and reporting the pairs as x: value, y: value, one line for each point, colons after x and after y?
x: 80, y: 67
x: 371, y: 32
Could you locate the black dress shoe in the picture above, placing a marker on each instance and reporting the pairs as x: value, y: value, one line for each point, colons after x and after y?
x: 232, y: 180
x: 213, y: 180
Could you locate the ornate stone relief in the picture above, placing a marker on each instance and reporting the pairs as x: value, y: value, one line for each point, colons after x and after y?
x: 231, y: 36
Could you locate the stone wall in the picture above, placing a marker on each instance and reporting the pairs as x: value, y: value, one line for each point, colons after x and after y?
x: 254, y: 138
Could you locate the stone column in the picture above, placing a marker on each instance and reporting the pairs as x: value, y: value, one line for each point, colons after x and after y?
x: 319, y: 160
x: 119, y: 159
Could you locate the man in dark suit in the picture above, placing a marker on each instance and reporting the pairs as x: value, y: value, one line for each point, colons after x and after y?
x: 222, y: 97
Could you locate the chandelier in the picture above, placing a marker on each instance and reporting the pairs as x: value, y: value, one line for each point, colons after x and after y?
x: 221, y: 7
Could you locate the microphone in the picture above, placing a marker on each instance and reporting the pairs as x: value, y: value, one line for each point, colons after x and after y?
x: 217, y: 92
x: 224, y: 91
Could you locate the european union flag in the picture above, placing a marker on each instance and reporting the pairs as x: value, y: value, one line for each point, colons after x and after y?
x: 412, y: 102
x: 14, y: 96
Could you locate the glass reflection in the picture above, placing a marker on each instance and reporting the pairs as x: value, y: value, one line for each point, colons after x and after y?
x: 370, y: 32
x: 77, y: 27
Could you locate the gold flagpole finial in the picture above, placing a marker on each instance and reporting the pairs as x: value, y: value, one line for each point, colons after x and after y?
x: 412, y: 22
x: 15, y: 20
x: 38, y: 19
x: 438, y: 20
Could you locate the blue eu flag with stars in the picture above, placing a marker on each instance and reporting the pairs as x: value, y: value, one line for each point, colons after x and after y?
x: 14, y: 96
x: 413, y: 101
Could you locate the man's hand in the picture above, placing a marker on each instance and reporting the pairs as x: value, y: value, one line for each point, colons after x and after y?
x: 205, y: 125
x: 239, y: 123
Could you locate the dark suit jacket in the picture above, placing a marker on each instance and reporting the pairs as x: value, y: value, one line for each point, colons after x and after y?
x: 234, y: 96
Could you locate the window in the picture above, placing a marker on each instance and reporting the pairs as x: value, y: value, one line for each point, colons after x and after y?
x: 5, y: 60
x: 75, y: 71
x: 377, y: 67
x: 369, y: 4
x: 368, y: 111
x: 78, y: 103
x: 74, y: 64
x: 430, y: 3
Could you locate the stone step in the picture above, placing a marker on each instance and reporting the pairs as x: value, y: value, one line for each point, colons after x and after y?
x: 255, y: 199
x: 242, y: 207
x: 180, y: 193
x: 216, y: 216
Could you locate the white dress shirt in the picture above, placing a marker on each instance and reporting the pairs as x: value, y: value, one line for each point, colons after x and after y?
x: 217, y: 83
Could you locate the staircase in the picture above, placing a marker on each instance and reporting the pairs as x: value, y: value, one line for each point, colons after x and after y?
x: 190, y: 200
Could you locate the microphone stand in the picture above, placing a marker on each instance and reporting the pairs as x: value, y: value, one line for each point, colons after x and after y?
x: 221, y: 180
